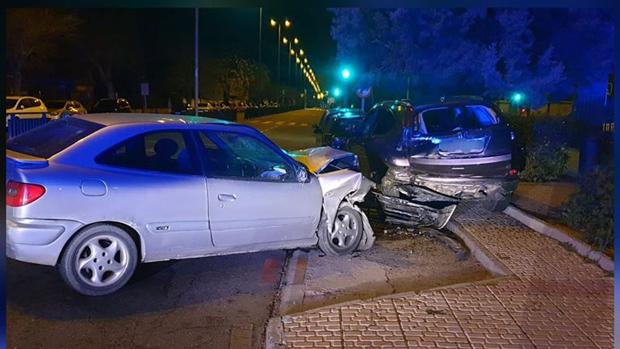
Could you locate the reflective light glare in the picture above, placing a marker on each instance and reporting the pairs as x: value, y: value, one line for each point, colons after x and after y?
x: 346, y: 73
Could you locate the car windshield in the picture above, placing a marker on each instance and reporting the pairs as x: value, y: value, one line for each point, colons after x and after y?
x: 53, y: 137
x: 10, y: 103
x: 55, y: 104
x: 454, y: 118
x: 105, y: 105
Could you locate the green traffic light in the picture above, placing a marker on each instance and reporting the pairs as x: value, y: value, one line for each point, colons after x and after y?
x: 346, y: 73
x: 517, y: 97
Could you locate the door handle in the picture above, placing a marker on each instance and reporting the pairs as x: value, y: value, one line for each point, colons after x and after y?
x: 227, y: 197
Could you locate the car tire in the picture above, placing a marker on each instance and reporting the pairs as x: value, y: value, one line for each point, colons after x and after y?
x: 496, y: 201
x: 347, y: 234
x: 99, y: 260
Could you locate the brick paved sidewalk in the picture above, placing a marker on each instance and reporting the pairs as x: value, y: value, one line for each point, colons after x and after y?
x: 554, y: 300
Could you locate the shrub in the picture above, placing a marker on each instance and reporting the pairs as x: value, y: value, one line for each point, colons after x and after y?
x: 590, y: 209
x: 545, y: 162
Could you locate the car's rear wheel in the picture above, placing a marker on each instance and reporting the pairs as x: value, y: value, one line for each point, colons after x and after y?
x: 346, y: 235
x: 99, y: 260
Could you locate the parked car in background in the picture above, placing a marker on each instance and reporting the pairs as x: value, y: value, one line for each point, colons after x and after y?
x: 25, y: 107
x: 57, y: 107
x: 339, y: 127
x: 436, y: 155
x: 112, y: 105
x: 96, y: 194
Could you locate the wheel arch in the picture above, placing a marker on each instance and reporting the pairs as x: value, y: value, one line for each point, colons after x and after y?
x: 135, y: 236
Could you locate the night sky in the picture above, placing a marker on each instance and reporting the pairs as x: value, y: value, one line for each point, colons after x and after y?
x: 224, y: 32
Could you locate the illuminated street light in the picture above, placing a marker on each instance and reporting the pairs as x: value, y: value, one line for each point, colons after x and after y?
x: 301, y: 52
x: 273, y: 22
x: 336, y: 92
x: 296, y: 41
x: 287, y: 23
x: 292, y: 52
x: 305, y: 60
x: 297, y: 60
x: 284, y: 40
x: 346, y: 73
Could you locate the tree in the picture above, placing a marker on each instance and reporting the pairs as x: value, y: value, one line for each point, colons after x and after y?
x: 112, y: 46
x: 33, y: 36
x: 470, y: 51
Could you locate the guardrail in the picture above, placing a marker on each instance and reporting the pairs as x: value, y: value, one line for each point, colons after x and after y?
x: 16, y: 125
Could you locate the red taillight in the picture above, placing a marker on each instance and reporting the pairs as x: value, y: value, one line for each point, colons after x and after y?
x: 20, y: 194
x: 513, y: 172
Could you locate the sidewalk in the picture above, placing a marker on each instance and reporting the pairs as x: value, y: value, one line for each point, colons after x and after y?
x: 553, y: 299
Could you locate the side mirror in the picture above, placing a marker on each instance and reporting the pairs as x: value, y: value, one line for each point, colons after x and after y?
x: 302, y: 174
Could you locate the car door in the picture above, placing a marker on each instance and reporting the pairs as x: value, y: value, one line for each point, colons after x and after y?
x: 157, y: 184
x: 253, y: 194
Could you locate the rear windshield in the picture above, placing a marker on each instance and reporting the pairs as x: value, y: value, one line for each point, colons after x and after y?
x: 455, y: 118
x: 10, y: 103
x: 53, y: 137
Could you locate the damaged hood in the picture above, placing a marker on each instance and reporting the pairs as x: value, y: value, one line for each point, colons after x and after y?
x: 325, y: 159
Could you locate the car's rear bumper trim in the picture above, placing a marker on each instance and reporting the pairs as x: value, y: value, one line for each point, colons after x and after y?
x: 460, y: 161
x: 38, y: 241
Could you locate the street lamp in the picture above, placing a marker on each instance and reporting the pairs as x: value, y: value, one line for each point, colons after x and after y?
x: 290, y: 49
x: 275, y: 23
x: 301, y: 52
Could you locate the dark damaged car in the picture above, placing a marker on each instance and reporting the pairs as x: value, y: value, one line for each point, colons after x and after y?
x: 428, y: 158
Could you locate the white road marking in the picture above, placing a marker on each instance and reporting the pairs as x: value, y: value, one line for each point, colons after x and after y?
x: 280, y: 122
x: 292, y: 123
x: 267, y: 122
x: 303, y: 124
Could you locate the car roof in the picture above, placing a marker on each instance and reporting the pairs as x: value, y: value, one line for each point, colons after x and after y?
x: 109, y: 119
x: 21, y: 97
x: 458, y: 103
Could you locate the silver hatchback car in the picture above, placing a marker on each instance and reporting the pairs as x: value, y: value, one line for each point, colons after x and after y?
x: 97, y: 194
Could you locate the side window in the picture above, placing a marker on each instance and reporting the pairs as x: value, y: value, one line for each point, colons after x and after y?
x: 155, y: 151
x: 24, y: 103
x: 36, y: 103
x: 385, y: 122
x: 235, y: 155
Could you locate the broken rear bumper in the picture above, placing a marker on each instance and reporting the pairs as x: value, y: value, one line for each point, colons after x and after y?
x: 461, y: 187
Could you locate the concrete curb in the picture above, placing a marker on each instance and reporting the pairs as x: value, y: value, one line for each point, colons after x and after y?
x: 546, y: 229
x: 481, y: 253
x: 274, y: 333
x: 292, y: 293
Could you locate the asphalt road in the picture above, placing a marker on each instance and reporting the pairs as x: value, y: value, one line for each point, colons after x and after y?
x: 292, y: 130
x: 214, y: 302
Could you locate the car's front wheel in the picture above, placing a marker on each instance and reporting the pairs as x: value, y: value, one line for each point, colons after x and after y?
x: 346, y: 234
x: 99, y: 260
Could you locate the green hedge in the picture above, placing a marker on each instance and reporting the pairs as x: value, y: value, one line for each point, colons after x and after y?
x: 590, y: 210
x: 545, y: 162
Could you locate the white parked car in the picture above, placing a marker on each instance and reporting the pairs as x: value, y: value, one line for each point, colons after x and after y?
x: 25, y: 107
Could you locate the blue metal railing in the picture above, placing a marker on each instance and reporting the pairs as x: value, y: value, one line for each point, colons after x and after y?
x: 16, y: 125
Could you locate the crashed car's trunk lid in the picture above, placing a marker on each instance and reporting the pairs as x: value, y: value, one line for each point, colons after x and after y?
x: 479, y: 152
